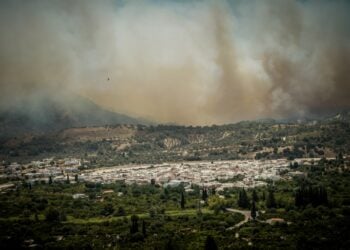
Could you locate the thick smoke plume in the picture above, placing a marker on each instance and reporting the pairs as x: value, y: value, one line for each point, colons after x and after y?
x: 189, y: 62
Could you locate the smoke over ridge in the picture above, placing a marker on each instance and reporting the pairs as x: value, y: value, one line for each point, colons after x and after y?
x: 189, y: 62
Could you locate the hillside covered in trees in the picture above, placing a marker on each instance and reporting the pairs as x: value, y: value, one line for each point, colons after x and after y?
x: 122, y: 144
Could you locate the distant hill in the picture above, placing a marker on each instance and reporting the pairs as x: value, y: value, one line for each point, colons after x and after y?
x: 45, y: 113
x: 313, y: 117
x: 341, y: 116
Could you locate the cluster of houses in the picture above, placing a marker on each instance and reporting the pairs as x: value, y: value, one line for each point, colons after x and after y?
x: 45, y: 170
x: 218, y: 175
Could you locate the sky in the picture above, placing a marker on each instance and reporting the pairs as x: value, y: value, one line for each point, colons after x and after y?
x: 185, y: 62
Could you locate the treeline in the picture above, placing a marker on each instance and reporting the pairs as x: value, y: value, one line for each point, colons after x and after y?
x: 315, y: 196
x: 244, y: 201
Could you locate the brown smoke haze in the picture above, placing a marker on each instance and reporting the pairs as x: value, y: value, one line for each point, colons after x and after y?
x: 188, y: 62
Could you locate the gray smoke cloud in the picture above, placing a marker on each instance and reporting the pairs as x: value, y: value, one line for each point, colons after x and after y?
x: 189, y: 62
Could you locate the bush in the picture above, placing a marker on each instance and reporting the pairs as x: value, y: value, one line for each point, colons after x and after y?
x: 52, y: 215
x: 121, y: 211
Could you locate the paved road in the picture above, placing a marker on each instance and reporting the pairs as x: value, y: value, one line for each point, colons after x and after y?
x: 246, y: 214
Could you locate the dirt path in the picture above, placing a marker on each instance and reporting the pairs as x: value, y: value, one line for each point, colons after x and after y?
x: 245, y: 213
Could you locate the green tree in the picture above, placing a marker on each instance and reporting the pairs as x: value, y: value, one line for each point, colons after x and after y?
x: 340, y: 159
x: 52, y: 215
x: 121, y: 211
x: 152, y: 212
x: 210, y: 243
x: 270, y: 201
x: 243, y: 200
x: 36, y: 217
x: 182, y: 201
x: 166, y: 193
x: 199, y: 211
x: 253, y: 210
x: 107, y: 210
x: 255, y: 196
x: 204, y: 194
x: 134, y: 228
x: 170, y: 245
x: 275, y: 150
x: 311, y: 195
x: 295, y: 165
x: 144, y: 228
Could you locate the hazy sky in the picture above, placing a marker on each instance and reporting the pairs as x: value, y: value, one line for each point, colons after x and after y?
x: 189, y: 62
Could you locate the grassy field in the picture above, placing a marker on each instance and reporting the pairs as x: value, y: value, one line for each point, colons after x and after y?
x: 171, y: 213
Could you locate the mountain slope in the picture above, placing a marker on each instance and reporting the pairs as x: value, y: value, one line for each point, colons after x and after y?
x: 46, y: 113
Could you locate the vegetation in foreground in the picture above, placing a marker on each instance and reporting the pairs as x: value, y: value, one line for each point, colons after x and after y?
x: 307, y: 213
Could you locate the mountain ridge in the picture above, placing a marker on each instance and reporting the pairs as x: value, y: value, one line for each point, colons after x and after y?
x: 46, y: 113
